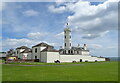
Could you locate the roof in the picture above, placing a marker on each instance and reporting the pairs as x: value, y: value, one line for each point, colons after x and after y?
x: 42, y: 44
x: 22, y: 47
x: 49, y: 49
x: 75, y: 48
x: 27, y: 50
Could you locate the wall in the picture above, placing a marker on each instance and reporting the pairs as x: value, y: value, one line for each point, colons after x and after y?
x: 70, y: 58
x: 85, y: 52
x: 18, y: 54
x: 29, y: 55
x: 38, y: 53
x: 52, y: 56
x: 44, y: 57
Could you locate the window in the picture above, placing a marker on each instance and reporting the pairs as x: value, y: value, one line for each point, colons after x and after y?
x: 70, y: 44
x: 35, y: 50
x: 77, y: 52
x: 65, y: 37
x: 65, y: 44
x: 68, y: 51
x: 65, y: 31
x: 70, y: 36
x: 71, y: 52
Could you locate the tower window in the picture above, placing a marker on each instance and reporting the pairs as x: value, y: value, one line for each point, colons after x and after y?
x: 65, y: 31
x: 65, y: 37
x: 70, y: 44
x: 70, y: 36
x: 65, y: 44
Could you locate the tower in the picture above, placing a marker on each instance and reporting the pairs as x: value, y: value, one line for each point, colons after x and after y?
x: 67, y: 38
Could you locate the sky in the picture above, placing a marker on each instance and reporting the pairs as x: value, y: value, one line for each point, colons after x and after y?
x: 92, y: 23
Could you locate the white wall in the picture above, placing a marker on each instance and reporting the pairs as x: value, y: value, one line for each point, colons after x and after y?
x: 52, y: 56
x: 29, y: 55
x: 70, y: 58
x: 38, y: 53
x: 44, y: 57
x: 85, y: 52
x: 19, y: 52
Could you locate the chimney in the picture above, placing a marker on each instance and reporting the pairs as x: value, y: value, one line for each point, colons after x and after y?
x: 85, y: 47
x: 78, y: 46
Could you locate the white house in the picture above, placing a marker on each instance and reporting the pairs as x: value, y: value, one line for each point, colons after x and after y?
x: 23, y: 52
x: 46, y: 53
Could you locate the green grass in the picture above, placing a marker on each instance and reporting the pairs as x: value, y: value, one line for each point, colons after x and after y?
x: 99, y: 71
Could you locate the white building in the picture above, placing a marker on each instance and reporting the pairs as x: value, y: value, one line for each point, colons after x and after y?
x: 23, y: 52
x: 46, y: 53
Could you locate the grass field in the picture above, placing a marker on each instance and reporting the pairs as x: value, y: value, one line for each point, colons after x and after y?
x: 98, y: 71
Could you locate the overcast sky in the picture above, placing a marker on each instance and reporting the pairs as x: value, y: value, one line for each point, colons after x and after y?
x: 92, y: 23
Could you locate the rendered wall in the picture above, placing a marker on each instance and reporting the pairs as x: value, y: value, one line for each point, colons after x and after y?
x: 18, y: 51
x: 38, y: 53
x: 52, y: 56
x: 44, y: 57
x: 70, y: 58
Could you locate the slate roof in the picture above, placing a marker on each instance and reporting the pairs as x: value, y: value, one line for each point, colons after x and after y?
x: 75, y: 48
x: 42, y: 44
x: 27, y: 50
x: 49, y: 49
x: 22, y: 47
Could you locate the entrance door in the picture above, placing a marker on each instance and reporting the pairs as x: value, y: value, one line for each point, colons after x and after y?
x: 80, y: 60
x: 35, y: 57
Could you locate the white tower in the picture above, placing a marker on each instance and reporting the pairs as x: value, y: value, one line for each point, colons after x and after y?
x: 67, y: 38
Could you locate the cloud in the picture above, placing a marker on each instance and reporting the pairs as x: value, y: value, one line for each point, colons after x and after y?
x: 93, y: 36
x: 56, y: 10
x: 59, y: 34
x: 2, y: 6
x: 36, y: 35
x: 93, y: 47
x: 91, y: 19
x: 94, y: 20
x: 31, y: 13
x: 14, y: 43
